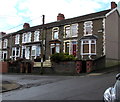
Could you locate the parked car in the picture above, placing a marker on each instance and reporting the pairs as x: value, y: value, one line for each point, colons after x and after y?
x: 112, y: 94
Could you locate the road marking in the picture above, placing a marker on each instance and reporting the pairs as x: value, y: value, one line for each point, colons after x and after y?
x: 94, y: 74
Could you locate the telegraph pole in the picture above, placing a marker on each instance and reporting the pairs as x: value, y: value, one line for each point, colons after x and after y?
x: 43, y: 22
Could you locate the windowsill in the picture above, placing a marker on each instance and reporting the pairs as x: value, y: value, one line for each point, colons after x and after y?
x: 87, y: 34
x: 70, y: 37
x: 88, y: 54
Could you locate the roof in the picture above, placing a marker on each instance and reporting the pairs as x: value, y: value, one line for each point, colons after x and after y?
x: 89, y: 37
x: 78, y: 19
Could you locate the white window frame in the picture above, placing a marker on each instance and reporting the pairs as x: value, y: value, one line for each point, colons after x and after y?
x: 29, y: 34
x: 3, y: 55
x: 71, y: 29
x: 15, y: 49
x: 36, y: 36
x: 76, y: 33
x: 86, y: 26
x: 5, y: 43
x: 89, y: 43
x: 33, y: 49
x: 17, y: 39
x: 26, y: 37
x: 55, y: 29
x: 57, y: 47
x: 70, y: 46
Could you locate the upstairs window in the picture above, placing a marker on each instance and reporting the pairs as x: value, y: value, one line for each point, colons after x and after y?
x: 67, y: 31
x: 71, y: 30
x: 36, y: 35
x: 29, y: 36
x: 74, y: 30
x: 55, y: 33
x: 88, y: 28
x: 26, y: 37
x: 17, y: 39
x: 5, y: 43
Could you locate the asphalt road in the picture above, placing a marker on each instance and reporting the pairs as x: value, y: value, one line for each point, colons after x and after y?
x: 86, y: 87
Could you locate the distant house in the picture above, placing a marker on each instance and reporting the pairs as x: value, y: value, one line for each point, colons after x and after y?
x: 86, y: 37
x: 1, y: 35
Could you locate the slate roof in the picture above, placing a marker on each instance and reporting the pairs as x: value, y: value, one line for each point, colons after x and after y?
x: 89, y: 37
x: 78, y: 19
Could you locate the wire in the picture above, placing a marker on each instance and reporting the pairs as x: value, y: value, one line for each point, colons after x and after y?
x: 22, y: 23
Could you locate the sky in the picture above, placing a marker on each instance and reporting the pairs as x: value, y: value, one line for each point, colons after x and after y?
x: 14, y: 13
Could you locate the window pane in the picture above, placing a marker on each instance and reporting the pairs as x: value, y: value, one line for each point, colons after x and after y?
x: 88, y: 30
x: 17, y: 52
x: 92, y: 48
x: 55, y: 35
x: 86, y: 48
x: 67, y: 47
x: 67, y: 31
x: 74, y: 28
x: 57, y: 49
x: 88, y: 27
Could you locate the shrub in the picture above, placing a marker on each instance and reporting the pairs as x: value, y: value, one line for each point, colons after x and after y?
x: 62, y: 57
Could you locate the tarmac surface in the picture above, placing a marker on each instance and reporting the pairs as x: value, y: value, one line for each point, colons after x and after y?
x: 6, y: 85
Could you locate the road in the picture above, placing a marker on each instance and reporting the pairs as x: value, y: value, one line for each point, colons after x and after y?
x: 86, y: 87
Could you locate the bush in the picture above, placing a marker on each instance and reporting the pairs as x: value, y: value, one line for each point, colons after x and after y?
x: 62, y: 57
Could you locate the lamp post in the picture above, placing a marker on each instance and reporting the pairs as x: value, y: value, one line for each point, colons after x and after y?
x: 43, y: 22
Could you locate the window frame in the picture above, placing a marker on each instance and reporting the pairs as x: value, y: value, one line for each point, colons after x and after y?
x: 15, y: 49
x: 55, y: 29
x: 71, y: 30
x: 36, y: 35
x: 87, y: 26
x: 5, y: 43
x: 90, y: 46
x: 26, y: 37
x: 17, y: 39
x: 55, y: 45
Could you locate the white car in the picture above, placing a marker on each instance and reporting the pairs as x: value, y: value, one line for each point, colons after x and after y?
x: 112, y: 94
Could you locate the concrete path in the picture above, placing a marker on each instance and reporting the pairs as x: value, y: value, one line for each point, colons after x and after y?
x: 8, y: 86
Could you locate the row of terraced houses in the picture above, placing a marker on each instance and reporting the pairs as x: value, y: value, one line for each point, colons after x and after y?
x: 86, y: 37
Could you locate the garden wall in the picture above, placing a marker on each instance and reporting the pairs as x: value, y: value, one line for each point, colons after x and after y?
x: 3, y: 67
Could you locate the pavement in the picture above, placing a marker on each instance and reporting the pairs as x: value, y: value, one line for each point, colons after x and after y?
x: 6, y: 85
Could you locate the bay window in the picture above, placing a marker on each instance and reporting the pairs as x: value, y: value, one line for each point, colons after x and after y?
x: 88, y: 47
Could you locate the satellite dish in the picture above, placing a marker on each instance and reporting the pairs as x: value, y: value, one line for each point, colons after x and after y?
x: 118, y: 7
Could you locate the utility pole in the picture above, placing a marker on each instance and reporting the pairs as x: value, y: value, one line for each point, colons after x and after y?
x: 43, y: 21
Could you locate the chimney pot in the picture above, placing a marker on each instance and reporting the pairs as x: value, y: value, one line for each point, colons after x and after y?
x: 26, y: 25
x: 113, y: 5
x: 60, y: 17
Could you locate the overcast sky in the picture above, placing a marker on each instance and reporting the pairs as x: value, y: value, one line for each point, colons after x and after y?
x: 14, y: 13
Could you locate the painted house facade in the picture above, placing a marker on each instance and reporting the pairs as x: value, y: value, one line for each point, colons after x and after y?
x: 85, y: 37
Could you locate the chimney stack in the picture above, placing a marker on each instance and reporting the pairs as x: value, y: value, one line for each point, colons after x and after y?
x: 26, y: 25
x: 60, y: 17
x: 113, y: 5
